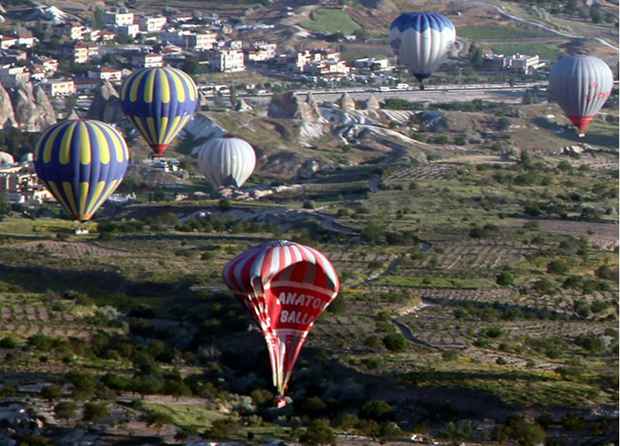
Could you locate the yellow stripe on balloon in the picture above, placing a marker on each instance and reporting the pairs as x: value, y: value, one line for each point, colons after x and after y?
x: 152, y: 129
x: 135, y: 85
x: 178, y: 85
x: 190, y: 84
x: 85, y: 148
x: 102, y: 142
x: 149, y: 89
x: 164, y: 86
x: 84, y: 187
x: 109, y: 190
x: 143, y: 130
x: 49, y: 144
x: 68, y: 188
x: 94, y: 199
x: 171, y: 130
x: 53, y: 188
x: 119, y: 145
x: 163, y: 126
x: 65, y: 144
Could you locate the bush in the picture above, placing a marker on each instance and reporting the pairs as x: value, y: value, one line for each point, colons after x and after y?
x: 505, y: 278
x: 95, y: 411
x: 544, y: 286
x: 314, y: 405
x: 309, y: 204
x: 65, y: 409
x: 607, y: 273
x: 557, y: 267
x: 395, y: 342
x: 524, y: 432
x: 318, y: 433
x: 8, y: 342
x: 377, y: 410
x: 51, y: 392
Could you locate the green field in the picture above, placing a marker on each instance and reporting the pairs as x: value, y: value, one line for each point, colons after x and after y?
x: 499, y: 32
x: 331, y: 21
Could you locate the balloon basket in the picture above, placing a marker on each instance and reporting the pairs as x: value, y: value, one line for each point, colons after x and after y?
x: 281, y: 402
x: 81, y: 229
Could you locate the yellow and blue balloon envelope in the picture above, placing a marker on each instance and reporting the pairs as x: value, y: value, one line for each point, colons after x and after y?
x: 159, y: 102
x: 81, y: 162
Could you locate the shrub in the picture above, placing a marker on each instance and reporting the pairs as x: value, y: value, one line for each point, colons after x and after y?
x: 377, y: 410
x: 524, y: 432
x: 95, y: 411
x: 51, y: 392
x: 318, y: 433
x: 8, y: 342
x: 314, y: 405
x: 505, y: 278
x: 65, y: 409
x: 557, y: 267
x: 395, y: 342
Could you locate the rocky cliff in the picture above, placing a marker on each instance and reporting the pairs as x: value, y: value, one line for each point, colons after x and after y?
x: 106, y: 105
x: 32, y: 108
x: 7, y: 115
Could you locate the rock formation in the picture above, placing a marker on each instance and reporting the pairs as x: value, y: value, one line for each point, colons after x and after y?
x: 308, y: 169
x: 372, y: 104
x: 346, y: 102
x: 7, y: 115
x: 106, y: 105
x: 33, y: 109
x: 290, y: 106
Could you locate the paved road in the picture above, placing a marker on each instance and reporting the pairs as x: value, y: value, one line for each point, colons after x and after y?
x: 439, y: 93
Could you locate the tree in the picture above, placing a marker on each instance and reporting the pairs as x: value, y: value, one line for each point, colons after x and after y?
x: 505, y: 278
x: 571, y: 6
x: 377, y: 410
x: 372, y: 232
x: 524, y: 432
x: 98, y: 22
x: 476, y: 56
x: 503, y: 123
x: 557, y: 267
x: 158, y: 419
x: 395, y: 342
x: 51, y: 392
x: 5, y: 207
x: 318, y: 433
x: 8, y: 342
x: 65, y: 409
x: 95, y: 411
x: 524, y: 159
x: 596, y: 14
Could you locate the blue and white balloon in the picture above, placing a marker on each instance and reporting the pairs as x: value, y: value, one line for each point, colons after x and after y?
x: 421, y: 41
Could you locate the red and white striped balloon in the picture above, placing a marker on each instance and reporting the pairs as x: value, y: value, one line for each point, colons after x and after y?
x: 285, y: 287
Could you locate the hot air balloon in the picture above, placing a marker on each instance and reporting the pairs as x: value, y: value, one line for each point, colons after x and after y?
x: 421, y: 41
x: 580, y: 85
x: 81, y: 162
x: 285, y: 286
x: 227, y: 161
x: 159, y: 102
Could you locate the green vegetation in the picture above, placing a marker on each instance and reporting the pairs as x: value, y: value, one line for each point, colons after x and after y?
x: 500, y: 33
x: 331, y: 21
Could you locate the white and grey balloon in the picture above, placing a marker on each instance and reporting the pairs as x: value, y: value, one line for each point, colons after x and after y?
x: 421, y: 41
x: 226, y: 161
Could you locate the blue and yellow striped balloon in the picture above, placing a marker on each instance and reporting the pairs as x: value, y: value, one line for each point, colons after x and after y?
x: 159, y: 102
x: 82, y: 163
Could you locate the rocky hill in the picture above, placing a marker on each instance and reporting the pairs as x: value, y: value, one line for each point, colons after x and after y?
x: 26, y: 107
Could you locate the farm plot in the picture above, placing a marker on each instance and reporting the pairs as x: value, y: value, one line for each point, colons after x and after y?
x: 72, y: 250
x: 601, y: 235
x: 426, y: 172
x: 433, y: 326
x: 468, y: 256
